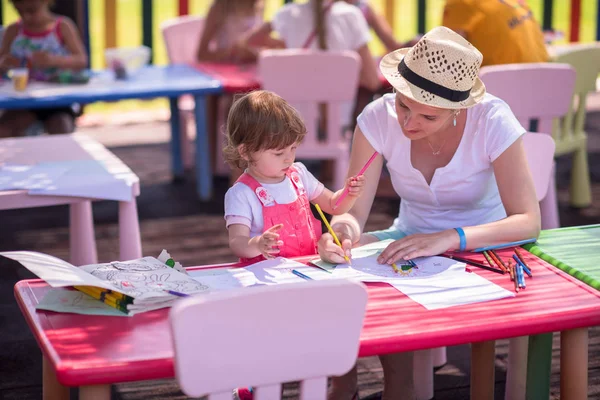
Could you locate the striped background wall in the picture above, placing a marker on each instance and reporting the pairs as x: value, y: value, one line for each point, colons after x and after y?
x: 133, y: 22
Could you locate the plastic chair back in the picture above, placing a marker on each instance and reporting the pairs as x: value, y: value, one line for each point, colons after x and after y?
x: 264, y: 336
x: 534, y: 91
x: 181, y: 37
x: 585, y: 59
x: 306, y: 79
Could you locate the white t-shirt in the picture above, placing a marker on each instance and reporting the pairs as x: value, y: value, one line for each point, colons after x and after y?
x: 242, y: 205
x: 346, y: 29
x: 464, y: 192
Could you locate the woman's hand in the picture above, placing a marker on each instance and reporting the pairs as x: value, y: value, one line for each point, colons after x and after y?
x: 7, y: 62
x: 332, y: 253
x: 268, y: 243
x: 419, y: 245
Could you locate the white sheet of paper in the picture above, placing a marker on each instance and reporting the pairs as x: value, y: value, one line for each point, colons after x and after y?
x: 56, y: 272
x: 452, y: 287
x: 437, y: 282
x: 25, y: 177
x: 87, y: 178
x: 75, y: 302
x: 223, y: 279
x: 275, y: 271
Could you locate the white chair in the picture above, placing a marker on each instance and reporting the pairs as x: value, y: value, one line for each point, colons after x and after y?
x: 264, y: 336
x: 306, y: 79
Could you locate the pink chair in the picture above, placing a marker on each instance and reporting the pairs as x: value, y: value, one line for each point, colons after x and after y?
x: 536, y: 91
x: 181, y: 36
x: 307, y: 78
x: 264, y: 336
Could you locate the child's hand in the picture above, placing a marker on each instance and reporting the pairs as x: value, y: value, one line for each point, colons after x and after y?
x: 355, y: 185
x: 41, y: 59
x: 7, y: 62
x: 269, y: 241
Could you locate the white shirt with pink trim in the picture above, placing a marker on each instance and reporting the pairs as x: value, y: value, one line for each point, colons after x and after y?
x: 242, y: 206
x: 464, y: 192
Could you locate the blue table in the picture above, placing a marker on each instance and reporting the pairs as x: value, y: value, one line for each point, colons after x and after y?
x: 152, y: 81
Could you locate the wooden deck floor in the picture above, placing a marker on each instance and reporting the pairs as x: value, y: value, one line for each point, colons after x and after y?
x: 172, y: 218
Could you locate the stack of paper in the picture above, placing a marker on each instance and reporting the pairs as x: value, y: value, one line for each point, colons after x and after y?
x: 144, y: 284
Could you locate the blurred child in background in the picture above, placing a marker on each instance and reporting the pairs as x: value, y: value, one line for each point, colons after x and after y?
x: 47, y: 44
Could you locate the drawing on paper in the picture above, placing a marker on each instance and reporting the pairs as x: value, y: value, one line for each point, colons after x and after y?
x: 144, y: 277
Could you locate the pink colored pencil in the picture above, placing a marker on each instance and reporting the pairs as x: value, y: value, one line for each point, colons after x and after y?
x: 362, y: 171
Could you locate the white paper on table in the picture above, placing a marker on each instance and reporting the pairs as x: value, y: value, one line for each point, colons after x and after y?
x: 25, y: 177
x: 56, y: 272
x: 224, y: 279
x: 87, y: 178
x: 437, y: 282
x: 76, y: 302
x: 275, y: 271
x: 453, y: 287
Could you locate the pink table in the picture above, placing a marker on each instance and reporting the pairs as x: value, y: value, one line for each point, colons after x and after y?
x: 31, y: 150
x: 237, y: 78
x: 93, y: 352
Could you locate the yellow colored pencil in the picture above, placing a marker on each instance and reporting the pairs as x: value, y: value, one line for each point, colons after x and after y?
x: 330, y: 229
x: 395, y: 268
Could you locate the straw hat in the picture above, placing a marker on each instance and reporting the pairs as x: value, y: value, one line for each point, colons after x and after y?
x: 441, y: 70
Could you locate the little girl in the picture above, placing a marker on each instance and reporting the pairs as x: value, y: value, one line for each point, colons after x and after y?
x: 267, y: 211
x: 46, y: 43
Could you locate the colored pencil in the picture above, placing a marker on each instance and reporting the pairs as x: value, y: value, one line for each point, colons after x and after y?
x: 174, y: 293
x: 505, y: 245
x: 109, y: 301
x: 520, y: 255
x: 511, y: 271
x: 514, y: 273
x: 499, y: 263
x: 301, y: 275
x: 107, y: 293
x: 476, y: 264
x: 489, y: 259
x: 330, y: 229
x: 396, y: 270
x: 362, y: 171
x: 525, y: 269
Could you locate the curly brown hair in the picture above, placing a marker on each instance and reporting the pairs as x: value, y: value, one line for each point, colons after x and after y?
x: 260, y: 120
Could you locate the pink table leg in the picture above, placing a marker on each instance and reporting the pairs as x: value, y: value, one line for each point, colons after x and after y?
x: 96, y: 392
x: 51, y: 388
x: 574, y: 364
x: 482, y: 370
x: 82, y: 239
x: 516, y: 371
x: 130, y: 243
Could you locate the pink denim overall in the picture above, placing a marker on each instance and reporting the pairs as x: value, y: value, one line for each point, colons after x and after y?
x: 300, y: 231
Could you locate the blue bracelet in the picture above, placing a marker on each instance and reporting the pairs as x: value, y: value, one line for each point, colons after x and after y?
x: 463, y: 238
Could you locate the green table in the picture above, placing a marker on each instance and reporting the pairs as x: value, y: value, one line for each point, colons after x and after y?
x: 574, y: 250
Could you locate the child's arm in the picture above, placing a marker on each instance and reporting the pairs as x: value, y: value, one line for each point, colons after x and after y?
x: 7, y: 61
x: 327, y: 199
x: 77, y: 59
x: 245, y: 247
x: 215, y: 18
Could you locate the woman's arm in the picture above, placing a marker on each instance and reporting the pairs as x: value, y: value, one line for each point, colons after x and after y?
x: 369, y: 77
x: 348, y: 227
x: 517, y: 192
x: 382, y: 29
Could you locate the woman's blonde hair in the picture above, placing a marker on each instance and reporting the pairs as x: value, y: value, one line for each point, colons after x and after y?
x: 260, y: 120
x: 236, y: 7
